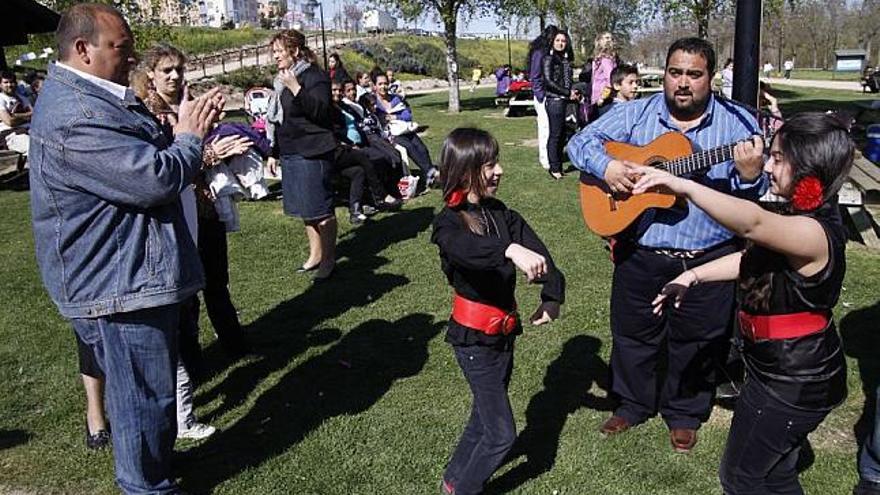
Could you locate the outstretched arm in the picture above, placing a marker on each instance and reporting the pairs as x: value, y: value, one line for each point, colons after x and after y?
x: 801, y: 239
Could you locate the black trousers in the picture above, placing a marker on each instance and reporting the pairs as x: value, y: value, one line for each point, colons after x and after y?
x: 693, y: 337
x: 416, y: 150
x: 358, y: 168
x: 490, y: 432
x: 556, y: 109
x: 213, y: 252
x: 763, y: 445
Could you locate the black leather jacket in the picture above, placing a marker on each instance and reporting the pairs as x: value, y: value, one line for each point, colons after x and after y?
x: 556, y: 75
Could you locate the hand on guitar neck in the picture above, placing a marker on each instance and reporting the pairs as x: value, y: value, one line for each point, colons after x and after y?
x: 748, y: 158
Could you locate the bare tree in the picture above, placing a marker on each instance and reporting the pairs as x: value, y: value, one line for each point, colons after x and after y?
x: 447, y: 11
x: 352, y: 14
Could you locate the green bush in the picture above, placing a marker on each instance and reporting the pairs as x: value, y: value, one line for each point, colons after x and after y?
x: 427, y: 56
x: 249, y: 77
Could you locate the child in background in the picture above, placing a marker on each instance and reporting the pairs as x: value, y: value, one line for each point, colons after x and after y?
x: 624, y: 87
x: 482, y: 243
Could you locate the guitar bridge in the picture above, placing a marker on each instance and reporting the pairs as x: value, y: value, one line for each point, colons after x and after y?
x: 612, y: 203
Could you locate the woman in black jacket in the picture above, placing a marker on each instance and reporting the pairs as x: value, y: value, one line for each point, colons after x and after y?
x: 556, y: 76
x: 305, y: 143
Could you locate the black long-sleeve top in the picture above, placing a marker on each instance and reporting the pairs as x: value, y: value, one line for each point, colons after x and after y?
x: 556, y: 75
x: 477, y: 269
x: 307, y: 128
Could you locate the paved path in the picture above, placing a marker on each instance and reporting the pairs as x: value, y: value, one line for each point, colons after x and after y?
x: 264, y: 58
x: 809, y: 83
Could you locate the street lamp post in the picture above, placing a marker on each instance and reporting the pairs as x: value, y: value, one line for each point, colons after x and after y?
x: 509, y: 57
x: 313, y: 4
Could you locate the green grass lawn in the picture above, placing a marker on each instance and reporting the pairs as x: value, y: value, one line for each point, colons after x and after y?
x: 352, y: 389
x: 818, y: 74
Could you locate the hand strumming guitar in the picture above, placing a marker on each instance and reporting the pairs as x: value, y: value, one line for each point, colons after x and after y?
x: 620, y: 176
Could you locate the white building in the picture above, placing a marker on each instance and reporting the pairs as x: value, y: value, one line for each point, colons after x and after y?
x: 215, y: 13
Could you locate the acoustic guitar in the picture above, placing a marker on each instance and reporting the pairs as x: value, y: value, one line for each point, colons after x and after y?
x: 608, y: 213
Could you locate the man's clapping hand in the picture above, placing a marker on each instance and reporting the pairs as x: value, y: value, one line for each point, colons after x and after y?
x: 197, y: 115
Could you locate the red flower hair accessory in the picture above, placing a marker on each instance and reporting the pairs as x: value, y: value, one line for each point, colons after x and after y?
x: 455, y: 198
x: 808, y: 194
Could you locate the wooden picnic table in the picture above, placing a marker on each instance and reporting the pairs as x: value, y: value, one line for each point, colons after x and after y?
x: 860, y: 199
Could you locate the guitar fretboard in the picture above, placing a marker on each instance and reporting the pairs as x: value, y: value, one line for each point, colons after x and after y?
x: 697, y: 161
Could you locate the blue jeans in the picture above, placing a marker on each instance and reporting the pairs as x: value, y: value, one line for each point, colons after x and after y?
x: 138, y: 353
x: 491, y: 431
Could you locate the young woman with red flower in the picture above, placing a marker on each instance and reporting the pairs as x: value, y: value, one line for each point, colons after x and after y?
x: 482, y: 243
x: 789, y: 279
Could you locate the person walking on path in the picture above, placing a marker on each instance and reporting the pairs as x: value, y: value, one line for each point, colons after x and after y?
x: 482, y: 244
x: 664, y: 242
x: 105, y: 188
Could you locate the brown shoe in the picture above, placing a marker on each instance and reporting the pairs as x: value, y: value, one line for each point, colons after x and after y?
x: 614, y: 425
x: 683, y: 439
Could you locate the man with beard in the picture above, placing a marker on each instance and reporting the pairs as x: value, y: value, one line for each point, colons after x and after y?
x: 663, y: 243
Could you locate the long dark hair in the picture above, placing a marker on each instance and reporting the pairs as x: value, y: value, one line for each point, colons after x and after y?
x: 816, y: 145
x: 541, y: 43
x: 568, y: 53
x: 464, y: 153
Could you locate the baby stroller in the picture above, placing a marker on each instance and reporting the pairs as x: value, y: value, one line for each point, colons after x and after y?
x: 256, y: 105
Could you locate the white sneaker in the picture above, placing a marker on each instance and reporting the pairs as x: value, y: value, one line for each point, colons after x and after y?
x: 196, y: 431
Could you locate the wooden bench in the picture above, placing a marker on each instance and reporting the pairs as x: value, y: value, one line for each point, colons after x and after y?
x: 860, y: 199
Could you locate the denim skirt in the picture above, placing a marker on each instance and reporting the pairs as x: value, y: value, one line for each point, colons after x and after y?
x: 306, y: 187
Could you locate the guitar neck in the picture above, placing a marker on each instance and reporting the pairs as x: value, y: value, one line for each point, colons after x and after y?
x: 698, y: 161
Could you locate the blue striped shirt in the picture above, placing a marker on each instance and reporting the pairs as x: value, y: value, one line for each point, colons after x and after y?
x: 641, y: 121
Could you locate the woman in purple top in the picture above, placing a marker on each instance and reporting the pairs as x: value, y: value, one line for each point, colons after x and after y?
x: 538, y: 49
x: 604, y: 62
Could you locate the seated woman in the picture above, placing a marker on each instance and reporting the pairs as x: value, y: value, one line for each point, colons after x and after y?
x: 392, y: 108
x: 383, y: 154
x: 354, y: 163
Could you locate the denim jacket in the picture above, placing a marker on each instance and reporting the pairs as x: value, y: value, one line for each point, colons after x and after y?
x: 105, y: 186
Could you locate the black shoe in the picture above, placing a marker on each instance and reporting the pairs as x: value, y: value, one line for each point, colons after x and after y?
x: 555, y: 175
x: 98, y: 441
x: 306, y: 269
x: 389, y: 205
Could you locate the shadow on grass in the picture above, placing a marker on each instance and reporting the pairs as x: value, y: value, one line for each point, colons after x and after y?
x: 289, y: 329
x: 345, y: 380
x: 858, y: 329
x: 566, y: 389
x: 13, y: 438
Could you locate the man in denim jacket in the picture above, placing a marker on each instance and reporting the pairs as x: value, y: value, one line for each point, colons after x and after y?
x: 111, y: 241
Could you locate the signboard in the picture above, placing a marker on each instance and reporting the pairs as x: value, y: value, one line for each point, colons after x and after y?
x: 849, y: 64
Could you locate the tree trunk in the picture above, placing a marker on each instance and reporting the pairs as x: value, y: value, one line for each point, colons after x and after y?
x: 451, y: 62
x: 542, y: 21
x: 703, y: 10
